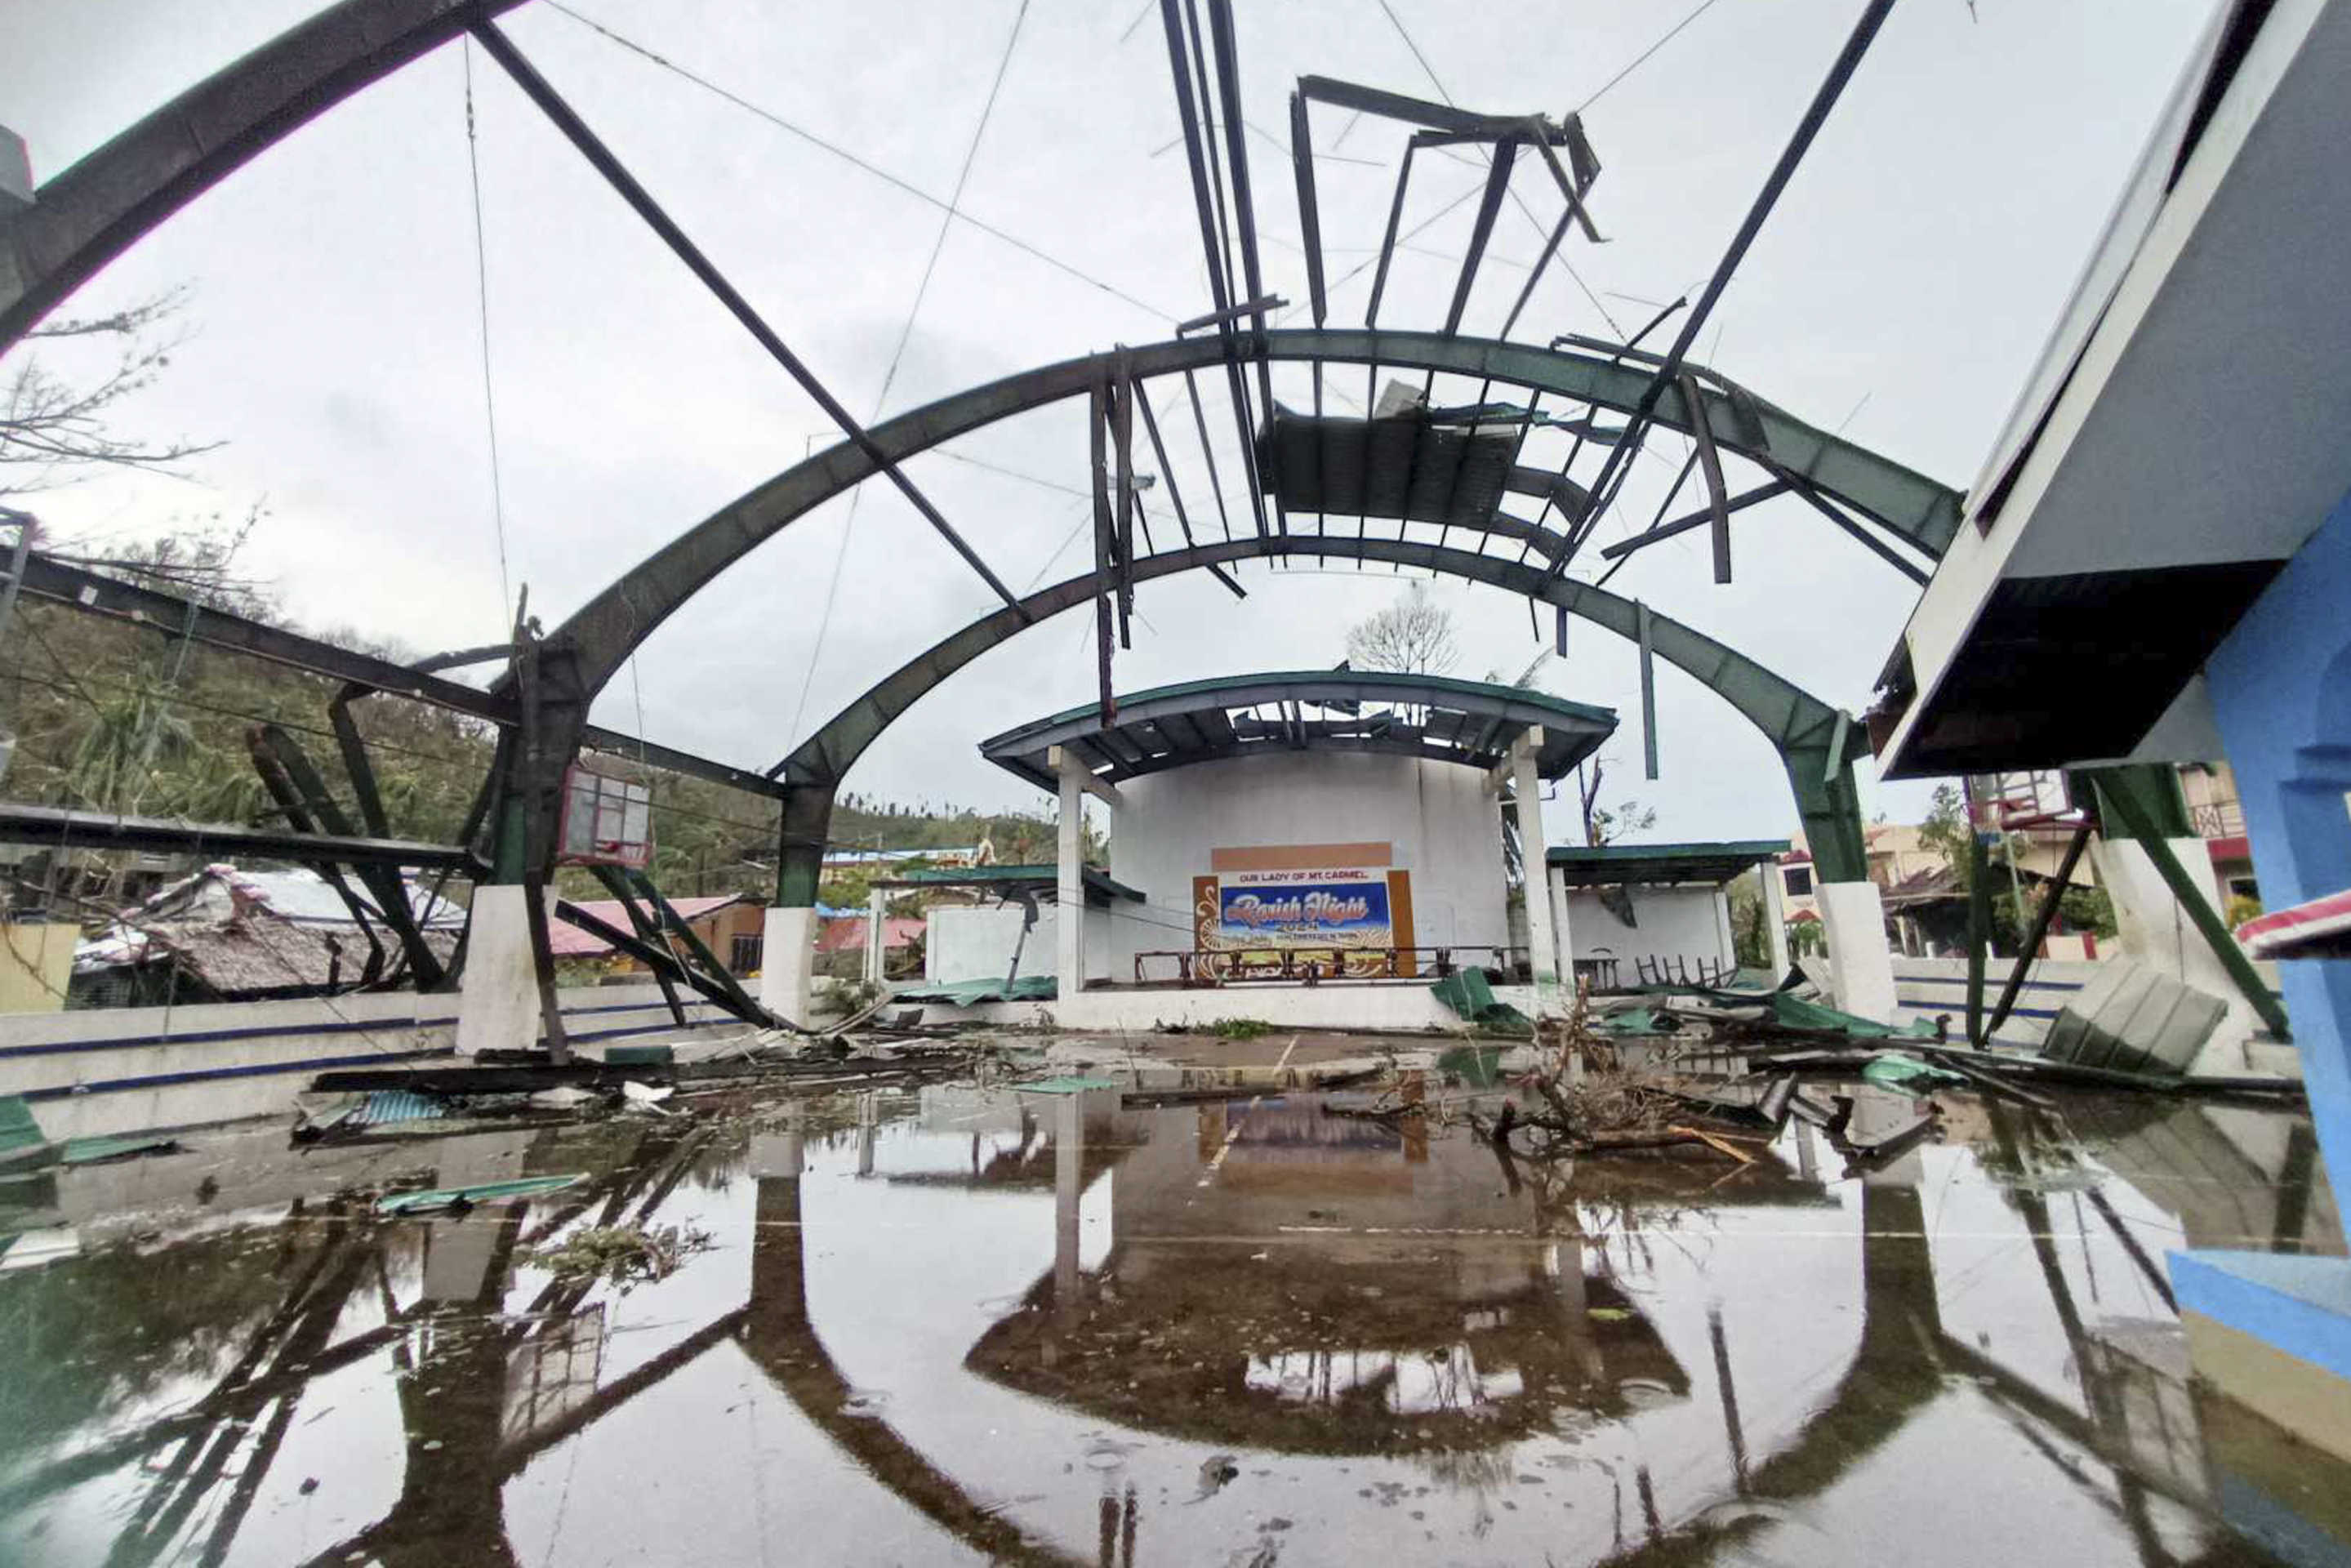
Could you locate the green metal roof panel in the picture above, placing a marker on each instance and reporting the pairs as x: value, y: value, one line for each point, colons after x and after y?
x: 1596, y: 865
x: 1039, y: 875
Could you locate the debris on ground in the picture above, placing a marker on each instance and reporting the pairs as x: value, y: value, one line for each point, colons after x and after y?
x: 24, y: 1149
x: 457, y: 1200
x: 1471, y: 997
x: 625, y: 1256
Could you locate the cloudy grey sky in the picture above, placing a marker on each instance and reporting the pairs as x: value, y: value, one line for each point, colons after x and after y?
x: 1904, y: 286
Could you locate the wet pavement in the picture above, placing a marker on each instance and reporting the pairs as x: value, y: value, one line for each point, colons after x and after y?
x: 957, y: 1324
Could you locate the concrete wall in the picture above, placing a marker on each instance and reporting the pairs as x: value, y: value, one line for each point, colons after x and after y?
x: 1446, y: 830
x: 976, y: 944
x: 1688, y: 924
x: 114, y: 1069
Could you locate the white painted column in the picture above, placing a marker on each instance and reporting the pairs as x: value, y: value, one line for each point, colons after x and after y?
x: 1069, y: 1191
x: 1775, y: 917
x: 1070, y: 887
x: 877, y: 907
x: 1861, y: 960
x: 497, y: 1000
x: 1534, y: 864
x: 2152, y: 929
x: 1562, y: 935
x: 787, y: 961
x: 1726, y: 940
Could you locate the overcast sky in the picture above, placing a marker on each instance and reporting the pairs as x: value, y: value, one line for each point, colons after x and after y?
x: 1902, y: 291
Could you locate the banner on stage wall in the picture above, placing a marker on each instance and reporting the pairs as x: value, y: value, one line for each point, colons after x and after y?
x: 1357, y: 914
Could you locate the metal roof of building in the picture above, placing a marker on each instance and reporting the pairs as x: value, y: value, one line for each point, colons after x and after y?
x: 1469, y: 722
x: 1037, y: 878
x: 1606, y: 866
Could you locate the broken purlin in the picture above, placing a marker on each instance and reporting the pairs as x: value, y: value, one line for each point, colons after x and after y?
x: 1439, y: 125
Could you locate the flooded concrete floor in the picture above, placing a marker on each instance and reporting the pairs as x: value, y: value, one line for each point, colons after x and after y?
x: 961, y: 1324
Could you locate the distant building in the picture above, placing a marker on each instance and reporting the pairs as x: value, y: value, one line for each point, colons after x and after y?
x: 728, y: 923
x: 1926, y: 902
x: 226, y: 934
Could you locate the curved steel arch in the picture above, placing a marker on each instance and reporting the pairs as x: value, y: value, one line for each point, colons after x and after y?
x: 1816, y: 742
x: 611, y: 624
x: 97, y: 208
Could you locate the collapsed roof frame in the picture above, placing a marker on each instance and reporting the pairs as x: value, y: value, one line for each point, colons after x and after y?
x: 94, y: 210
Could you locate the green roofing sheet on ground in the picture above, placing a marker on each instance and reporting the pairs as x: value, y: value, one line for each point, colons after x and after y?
x: 971, y: 993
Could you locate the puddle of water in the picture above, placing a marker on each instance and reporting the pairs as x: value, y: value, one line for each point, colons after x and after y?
x: 983, y: 1327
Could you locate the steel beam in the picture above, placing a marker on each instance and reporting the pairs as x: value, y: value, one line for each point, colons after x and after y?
x: 1220, y: 288
x: 616, y: 175
x: 1387, y: 244
x: 1237, y: 169
x: 169, y: 615
x: 94, y: 210
x: 57, y: 828
x: 1869, y: 541
x: 1643, y: 637
x: 1227, y: 316
x: 1310, y: 214
x: 1710, y: 464
x: 1713, y: 512
x: 617, y: 620
x: 1798, y: 724
x: 1489, y: 206
x: 1458, y: 123
x: 1106, y: 577
x: 1816, y: 114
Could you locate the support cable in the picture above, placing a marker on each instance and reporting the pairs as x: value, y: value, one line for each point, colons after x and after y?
x: 843, y: 153
x: 482, y: 305
x: 1816, y: 113
x: 1643, y: 57
x: 601, y: 157
x: 897, y: 356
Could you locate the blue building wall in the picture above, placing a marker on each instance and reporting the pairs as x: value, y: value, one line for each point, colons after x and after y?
x: 2281, y: 689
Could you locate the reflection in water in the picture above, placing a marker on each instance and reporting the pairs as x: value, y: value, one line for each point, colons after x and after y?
x: 965, y: 1325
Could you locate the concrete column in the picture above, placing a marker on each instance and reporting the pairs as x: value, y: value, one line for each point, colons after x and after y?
x: 2151, y: 928
x: 1534, y: 864
x: 788, y: 962
x: 497, y: 1003
x: 1861, y: 960
x: 1775, y: 917
x: 877, y: 908
x: 1069, y: 1188
x: 1561, y: 935
x: 1070, y: 917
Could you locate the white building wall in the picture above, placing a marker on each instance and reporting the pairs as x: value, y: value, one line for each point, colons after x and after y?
x: 976, y: 944
x: 1688, y: 924
x: 1443, y: 825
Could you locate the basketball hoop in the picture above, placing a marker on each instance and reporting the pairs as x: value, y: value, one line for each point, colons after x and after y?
x: 606, y: 821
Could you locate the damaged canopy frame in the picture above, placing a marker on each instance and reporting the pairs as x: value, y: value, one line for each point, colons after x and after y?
x: 1438, y: 125
x: 1670, y: 373
x: 1817, y: 745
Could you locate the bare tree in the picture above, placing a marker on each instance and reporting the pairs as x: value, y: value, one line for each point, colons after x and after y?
x: 52, y: 428
x: 1601, y: 825
x: 1413, y: 636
